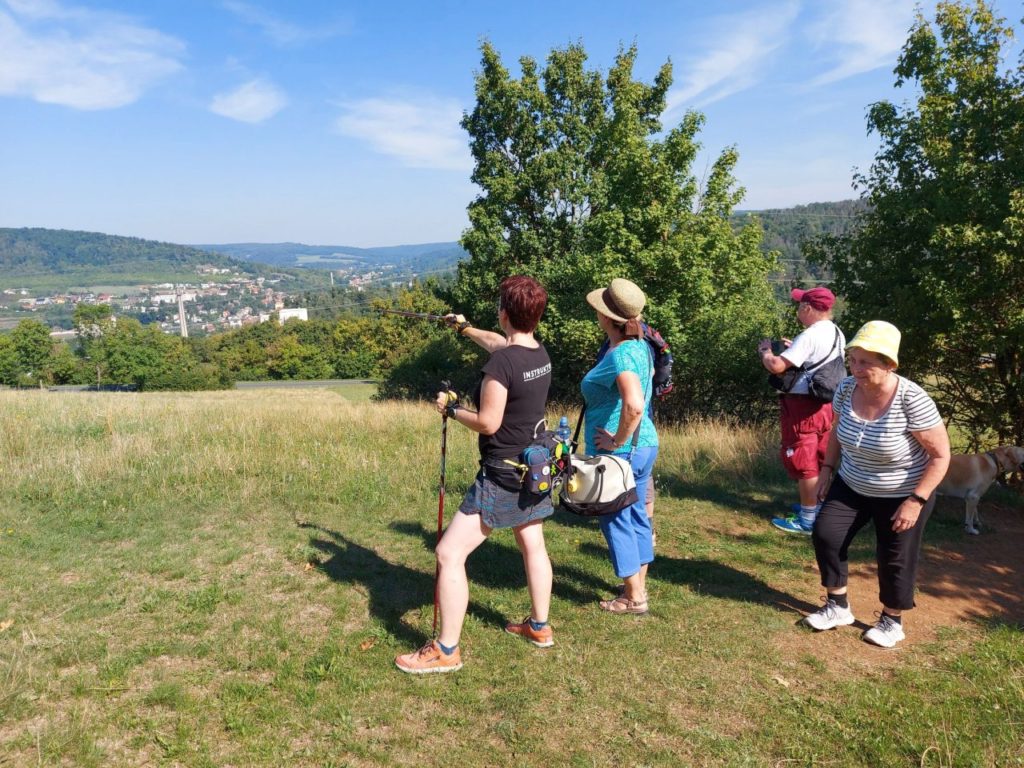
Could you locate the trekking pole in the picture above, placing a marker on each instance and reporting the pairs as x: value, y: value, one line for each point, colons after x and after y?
x: 451, y: 398
x: 419, y: 315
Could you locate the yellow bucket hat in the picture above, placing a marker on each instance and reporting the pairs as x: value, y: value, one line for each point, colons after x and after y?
x: 879, y: 337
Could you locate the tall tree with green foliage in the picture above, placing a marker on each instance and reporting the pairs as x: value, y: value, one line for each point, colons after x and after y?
x: 580, y: 184
x: 34, y: 346
x: 28, y: 355
x: 940, y: 252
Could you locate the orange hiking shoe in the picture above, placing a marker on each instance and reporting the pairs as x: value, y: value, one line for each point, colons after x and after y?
x: 542, y: 638
x: 429, y: 659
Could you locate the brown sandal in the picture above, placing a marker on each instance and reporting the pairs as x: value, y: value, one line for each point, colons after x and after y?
x: 623, y: 604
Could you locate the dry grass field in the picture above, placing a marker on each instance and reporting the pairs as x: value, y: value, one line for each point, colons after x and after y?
x: 223, y: 579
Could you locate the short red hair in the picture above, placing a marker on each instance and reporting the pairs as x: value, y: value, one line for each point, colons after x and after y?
x: 523, y: 300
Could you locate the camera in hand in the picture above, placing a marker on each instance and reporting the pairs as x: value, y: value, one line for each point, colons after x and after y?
x: 778, y: 347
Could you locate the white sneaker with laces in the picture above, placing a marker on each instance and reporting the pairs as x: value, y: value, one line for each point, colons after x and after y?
x: 886, y: 632
x: 829, y: 616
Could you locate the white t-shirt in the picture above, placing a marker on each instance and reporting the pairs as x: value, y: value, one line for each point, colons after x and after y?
x: 816, y: 344
x: 882, y: 457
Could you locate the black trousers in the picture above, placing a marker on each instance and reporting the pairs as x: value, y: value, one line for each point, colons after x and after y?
x: 843, y: 514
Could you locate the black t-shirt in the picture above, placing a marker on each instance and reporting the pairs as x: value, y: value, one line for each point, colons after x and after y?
x: 526, y: 374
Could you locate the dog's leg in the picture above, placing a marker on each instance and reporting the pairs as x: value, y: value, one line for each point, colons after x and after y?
x: 971, y: 516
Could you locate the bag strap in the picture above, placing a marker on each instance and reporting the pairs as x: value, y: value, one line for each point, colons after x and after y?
x: 828, y: 357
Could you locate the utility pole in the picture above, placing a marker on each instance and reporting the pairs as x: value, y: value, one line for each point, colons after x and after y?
x: 181, y: 314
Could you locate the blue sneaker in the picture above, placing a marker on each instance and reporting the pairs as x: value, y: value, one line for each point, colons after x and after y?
x: 791, y: 525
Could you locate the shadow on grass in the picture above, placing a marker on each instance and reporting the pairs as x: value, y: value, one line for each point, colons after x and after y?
x: 729, y: 497
x: 393, y: 589
x: 498, y: 566
x: 716, y: 579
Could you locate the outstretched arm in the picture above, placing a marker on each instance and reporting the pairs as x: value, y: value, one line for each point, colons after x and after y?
x: 489, y: 340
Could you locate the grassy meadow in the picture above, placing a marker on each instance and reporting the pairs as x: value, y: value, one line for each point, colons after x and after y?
x: 224, y: 579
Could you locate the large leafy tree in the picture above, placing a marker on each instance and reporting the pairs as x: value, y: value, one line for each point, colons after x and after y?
x: 34, y: 346
x: 940, y: 252
x: 580, y: 183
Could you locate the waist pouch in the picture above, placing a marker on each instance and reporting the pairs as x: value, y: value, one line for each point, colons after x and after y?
x: 530, y: 471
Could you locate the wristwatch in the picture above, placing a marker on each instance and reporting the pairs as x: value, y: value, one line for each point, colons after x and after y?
x: 918, y: 497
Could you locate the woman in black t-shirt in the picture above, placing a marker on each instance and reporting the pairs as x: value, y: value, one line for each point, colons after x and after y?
x: 511, y: 396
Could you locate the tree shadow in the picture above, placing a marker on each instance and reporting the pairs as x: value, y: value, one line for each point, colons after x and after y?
x: 982, y: 576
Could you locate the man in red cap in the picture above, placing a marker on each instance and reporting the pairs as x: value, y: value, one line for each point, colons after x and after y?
x: 806, y: 421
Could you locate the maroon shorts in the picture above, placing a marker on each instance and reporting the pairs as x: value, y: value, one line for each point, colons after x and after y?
x: 806, y: 423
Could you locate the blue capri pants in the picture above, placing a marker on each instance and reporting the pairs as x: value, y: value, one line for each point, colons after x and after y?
x: 628, y: 532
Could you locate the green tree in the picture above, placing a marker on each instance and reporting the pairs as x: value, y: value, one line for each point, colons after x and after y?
x: 33, y: 346
x: 581, y: 184
x: 92, y: 322
x: 940, y: 251
x: 10, y: 365
x: 64, y: 366
x: 289, y: 358
x: 131, y: 353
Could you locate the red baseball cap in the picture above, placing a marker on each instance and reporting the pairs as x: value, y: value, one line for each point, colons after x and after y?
x: 821, y: 298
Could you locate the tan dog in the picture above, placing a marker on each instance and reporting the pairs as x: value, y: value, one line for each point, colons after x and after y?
x: 969, y: 476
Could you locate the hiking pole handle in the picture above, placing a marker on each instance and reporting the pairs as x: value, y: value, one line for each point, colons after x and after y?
x: 451, y: 397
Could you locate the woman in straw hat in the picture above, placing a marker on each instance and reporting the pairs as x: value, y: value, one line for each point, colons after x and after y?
x: 617, y: 392
x: 888, y: 450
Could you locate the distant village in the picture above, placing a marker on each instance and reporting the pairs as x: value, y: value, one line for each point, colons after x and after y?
x: 208, y: 307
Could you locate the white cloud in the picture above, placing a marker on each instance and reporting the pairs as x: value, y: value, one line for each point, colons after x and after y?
x: 251, y: 102
x: 279, y: 30
x: 862, y: 35
x: 80, y: 58
x: 736, y: 56
x: 422, y: 133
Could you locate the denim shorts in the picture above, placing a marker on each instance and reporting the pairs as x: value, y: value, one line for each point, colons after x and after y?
x: 502, y: 508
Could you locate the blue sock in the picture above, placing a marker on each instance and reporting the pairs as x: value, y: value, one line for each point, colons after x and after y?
x: 537, y: 626
x: 445, y: 649
x: 807, y: 515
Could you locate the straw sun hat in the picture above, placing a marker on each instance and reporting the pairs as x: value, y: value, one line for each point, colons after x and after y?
x: 622, y: 300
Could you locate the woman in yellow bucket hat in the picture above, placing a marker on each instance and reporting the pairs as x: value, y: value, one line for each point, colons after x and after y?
x: 887, y: 453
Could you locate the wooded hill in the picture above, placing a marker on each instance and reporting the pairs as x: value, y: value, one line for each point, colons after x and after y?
x: 58, y: 259
x: 787, y: 229
x: 421, y: 258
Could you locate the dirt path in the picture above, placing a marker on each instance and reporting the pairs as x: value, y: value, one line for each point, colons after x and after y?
x: 959, y: 582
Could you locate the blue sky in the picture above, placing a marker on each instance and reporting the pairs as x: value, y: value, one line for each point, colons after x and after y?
x: 207, y: 121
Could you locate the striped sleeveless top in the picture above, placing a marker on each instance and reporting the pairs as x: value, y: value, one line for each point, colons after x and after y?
x: 882, y: 457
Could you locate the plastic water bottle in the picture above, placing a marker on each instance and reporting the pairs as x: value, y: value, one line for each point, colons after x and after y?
x: 563, y: 450
x: 563, y: 433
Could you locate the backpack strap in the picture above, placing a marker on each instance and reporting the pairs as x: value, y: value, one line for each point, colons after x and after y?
x: 827, y: 357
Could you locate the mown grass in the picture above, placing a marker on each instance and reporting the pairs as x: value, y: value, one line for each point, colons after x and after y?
x: 224, y: 578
